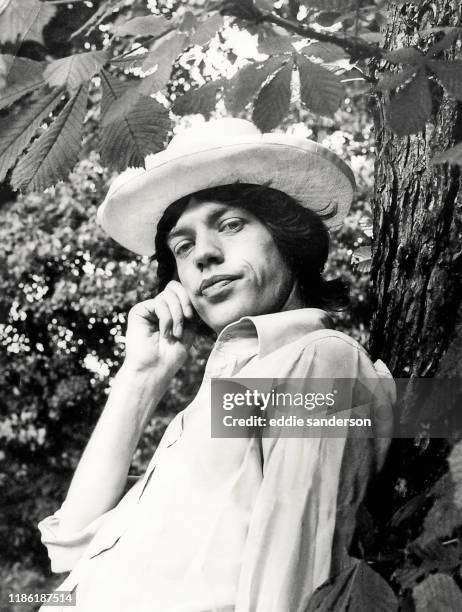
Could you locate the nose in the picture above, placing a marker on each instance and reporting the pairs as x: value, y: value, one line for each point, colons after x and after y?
x: 207, y: 250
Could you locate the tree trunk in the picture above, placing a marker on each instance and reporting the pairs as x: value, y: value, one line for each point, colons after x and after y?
x: 417, y: 263
x: 417, y: 207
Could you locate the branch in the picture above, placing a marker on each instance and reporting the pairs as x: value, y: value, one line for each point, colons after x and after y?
x: 132, y: 50
x: 103, y: 11
x: 354, y: 45
x: 364, y: 76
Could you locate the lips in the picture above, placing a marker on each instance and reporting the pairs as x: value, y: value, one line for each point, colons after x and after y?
x: 219, y: 280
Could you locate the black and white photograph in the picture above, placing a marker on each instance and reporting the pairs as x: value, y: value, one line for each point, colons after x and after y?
x: 230, y: 306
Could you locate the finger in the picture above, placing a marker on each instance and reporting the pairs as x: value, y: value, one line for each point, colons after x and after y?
x: 142, y: 319
x: 163, y: 314
x: 182, y: 295
x: 176, y: 311
x: 145, y: 310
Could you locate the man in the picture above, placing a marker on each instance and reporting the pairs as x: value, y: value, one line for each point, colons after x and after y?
x: 249, y: 524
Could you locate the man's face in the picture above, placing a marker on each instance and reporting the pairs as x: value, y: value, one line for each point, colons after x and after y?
x: 230, y: 248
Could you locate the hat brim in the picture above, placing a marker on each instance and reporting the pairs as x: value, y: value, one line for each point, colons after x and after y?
x: 303, y: 169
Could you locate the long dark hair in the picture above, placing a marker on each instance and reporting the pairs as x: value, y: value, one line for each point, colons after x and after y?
x: 300, y: 235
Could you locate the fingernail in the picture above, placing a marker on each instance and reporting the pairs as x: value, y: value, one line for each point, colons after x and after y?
x: 178, y: 330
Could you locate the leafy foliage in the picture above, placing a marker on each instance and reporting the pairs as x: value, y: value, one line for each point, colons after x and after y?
x: 437, y: 592
x: 201, y: 32
x: 392, y: 80
x: 272, y: 43
x: 135, y: 131
x: 455, y: 466
x: 329, y: 5
x: 357, y: 588
x: 265, y: 83
x: 15, y: 136
x: 24, y: 19
x: 410, y: 108
x: 444, y: 516
x: 56, y: 150
x: 327, y: 52
x: 362, y: 258
x: 452, y: 156
x: 163, y: 55
x: 73, y: 71
x: 405, y: 55
x: 450, y: 75
x: 426, y: 560
x: 245, y: 85
x: 273, y: 101
x: 201, y: 101
x: 150, y: 25
x: 22, y: 76
x: 320, y: 89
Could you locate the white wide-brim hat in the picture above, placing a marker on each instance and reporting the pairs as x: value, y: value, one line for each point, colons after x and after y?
x: 222, y: 152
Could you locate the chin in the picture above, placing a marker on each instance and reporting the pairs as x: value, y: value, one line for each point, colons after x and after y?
x: 227, y: 313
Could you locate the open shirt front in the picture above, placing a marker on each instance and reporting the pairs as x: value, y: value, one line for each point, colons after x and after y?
x: 234, y: 524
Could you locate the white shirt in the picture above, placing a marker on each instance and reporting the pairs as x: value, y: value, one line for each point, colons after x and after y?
x: 242, y: 524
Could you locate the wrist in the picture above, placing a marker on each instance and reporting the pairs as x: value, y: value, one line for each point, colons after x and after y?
x: 138, y: 391
x: 142, y: 373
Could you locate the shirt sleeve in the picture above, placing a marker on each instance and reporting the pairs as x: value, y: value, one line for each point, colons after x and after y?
x: 66, y: 548
x: 289, y: 543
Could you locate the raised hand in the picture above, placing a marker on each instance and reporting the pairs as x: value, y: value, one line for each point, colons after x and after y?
x: 158, y: 334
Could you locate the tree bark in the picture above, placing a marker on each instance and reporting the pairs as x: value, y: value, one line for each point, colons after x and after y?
x: 416, y: 267
x: 417, y: 210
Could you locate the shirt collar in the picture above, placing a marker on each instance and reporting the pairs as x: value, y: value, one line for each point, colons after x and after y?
x: 271, y: 331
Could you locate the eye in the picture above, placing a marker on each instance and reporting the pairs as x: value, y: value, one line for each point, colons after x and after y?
x: 233, y: 225
x: 182, y: 248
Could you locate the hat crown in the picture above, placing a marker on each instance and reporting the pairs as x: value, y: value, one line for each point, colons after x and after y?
x: 211, y: 133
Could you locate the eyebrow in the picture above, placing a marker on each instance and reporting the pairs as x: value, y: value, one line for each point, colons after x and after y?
x: 211, y: 218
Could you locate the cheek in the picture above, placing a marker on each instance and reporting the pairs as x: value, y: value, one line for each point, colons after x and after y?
x: 184, y: 276
x: 253, y: 246
x: 265, y: 259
